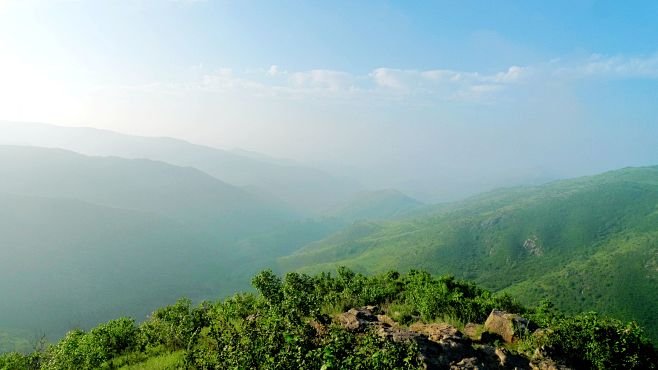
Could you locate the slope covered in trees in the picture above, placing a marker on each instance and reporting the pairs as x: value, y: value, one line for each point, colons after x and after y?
x: 590, y: 243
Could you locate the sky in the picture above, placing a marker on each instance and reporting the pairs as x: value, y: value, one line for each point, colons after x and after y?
x: 405, y: 94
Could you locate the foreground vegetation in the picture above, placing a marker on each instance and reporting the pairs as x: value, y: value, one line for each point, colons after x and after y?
x: 288, y: 325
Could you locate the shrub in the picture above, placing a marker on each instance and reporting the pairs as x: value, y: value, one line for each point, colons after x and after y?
x: 590, y: 340
x: 19, y: 361
x: 174, y: 326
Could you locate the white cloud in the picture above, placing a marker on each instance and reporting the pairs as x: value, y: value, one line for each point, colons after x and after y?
x: 273, y: 70
x: 393, y: 83
x: 622, y: 67
x: 612, y: 67
x: 394, y: 78
x: 446, y: 84
x: 513, y: 74
x: 322, y: 79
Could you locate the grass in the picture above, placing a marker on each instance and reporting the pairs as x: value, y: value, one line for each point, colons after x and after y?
x: 167, y: 361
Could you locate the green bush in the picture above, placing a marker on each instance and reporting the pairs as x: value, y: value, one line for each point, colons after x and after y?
x: 77, y: 350
x: 174, y: 326
x: 590, y: 340
x: 80, y: 350
x: 287, y: 326
x: 115, y: 337
x: 19, y: 361
x: 344, y: 350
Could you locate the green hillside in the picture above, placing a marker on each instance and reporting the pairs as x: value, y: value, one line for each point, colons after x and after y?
x: 375, y: 205
x: 587, y: 243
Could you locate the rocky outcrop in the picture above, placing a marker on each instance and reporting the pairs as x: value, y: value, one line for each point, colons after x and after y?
x: 542, y: 360
x: 533, y: 246
x: 510, y: 327
x: 359, y: 319
x: 442, y: 346
x: 473, y: 331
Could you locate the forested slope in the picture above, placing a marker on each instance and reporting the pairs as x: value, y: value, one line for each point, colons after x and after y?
x: 589, y: 243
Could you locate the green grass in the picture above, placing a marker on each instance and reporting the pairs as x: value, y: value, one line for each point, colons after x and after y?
x: 168, y: 361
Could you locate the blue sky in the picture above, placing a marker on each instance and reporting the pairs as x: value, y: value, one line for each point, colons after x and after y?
x: 556, y: 88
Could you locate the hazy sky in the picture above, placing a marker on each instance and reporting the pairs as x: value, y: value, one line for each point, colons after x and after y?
x: 561, y: 88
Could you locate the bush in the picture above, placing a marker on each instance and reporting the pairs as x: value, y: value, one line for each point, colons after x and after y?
x: 19, y: 361
x: 115, y: 337
x: 344, y: 350
x: 80, y: 350
x: 76, y: 351
x: 287, y: 326
x: 590, y: 340
x: 175, y: 326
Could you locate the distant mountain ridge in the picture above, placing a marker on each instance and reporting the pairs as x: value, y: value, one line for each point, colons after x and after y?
x: 305, y: 188
x: 77, y: 232
x: 182, y: 193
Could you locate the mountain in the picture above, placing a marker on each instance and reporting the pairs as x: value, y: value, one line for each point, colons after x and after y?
x: 305, y: 188
x: 182, y: 193
x: 77, y: 233
x: 586, y: 243
x: 375, y: 205
x: 68, y: 263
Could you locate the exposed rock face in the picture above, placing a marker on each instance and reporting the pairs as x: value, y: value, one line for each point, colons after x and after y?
x: 533, y: 246
x: 542, y: 361
x: 439, y: 332
x: 359, y: 319
x: 509, y: 326
x: 442, y: 346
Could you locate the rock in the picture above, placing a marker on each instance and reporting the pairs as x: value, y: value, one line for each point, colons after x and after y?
x: 502, y: 354
x: 509, y: 326
x: 547, y: 364
x: 468, y: 363
x: 357, y: 319
x: 473, y: 331
x: 439, y: 332
x: 533, y: 246
x: 373, y: 309
x: 442, y: 343
x: 442, y: 346
x: 320, y: 329
x: 541, y: 360
x: 386, y: 320
x: 395, y: 333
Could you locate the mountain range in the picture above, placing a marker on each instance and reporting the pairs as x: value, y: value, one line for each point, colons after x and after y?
x: 305, y: 188
x: 88, y: 213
